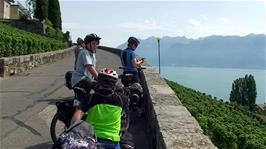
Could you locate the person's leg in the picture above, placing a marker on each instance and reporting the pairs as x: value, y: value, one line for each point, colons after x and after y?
x: 125, y: 80
x: 136, y: 78
x: 117, y: 146
x: 81, y: 90
x: 86, y: 84
x: 109, y: 144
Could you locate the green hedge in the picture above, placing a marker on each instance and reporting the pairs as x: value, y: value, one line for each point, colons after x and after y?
x: 229, y: 126
x: 15, y: 42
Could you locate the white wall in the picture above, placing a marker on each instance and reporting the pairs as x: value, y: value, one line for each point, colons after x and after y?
x: 4, y: 9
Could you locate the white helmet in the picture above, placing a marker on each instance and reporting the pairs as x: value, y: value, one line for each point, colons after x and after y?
x: 107, y: 77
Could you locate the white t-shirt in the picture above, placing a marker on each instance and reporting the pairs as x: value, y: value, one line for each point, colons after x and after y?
x: 85, y: 57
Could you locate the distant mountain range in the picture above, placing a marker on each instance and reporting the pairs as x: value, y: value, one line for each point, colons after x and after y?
x: 246, y: 52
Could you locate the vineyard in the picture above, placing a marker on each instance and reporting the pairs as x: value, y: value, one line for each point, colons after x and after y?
x: 229, y: 126
x: 14, y: 42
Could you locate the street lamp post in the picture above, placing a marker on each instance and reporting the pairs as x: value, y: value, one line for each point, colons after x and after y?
x: 158, y: 40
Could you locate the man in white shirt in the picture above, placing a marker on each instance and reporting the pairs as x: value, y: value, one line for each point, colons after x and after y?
x: 85, y: 70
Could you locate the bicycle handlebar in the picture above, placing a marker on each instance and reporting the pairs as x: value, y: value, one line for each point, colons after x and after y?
x: 137, y: 67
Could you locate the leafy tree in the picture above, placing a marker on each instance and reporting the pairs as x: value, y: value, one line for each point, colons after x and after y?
x: 41, y: 9
x: 244, y: 91
x: 252, y: 91
x: 228, y: 125
x: 31, y: 5
x: 54, y: 14
x: 67, y: 36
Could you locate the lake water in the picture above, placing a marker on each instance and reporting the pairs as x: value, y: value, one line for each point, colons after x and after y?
x: 215, y: 81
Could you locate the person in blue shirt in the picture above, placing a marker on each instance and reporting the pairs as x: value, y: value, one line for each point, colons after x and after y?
x: 130, y: 61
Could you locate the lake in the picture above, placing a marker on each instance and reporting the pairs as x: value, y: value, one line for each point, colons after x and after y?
x: 215, y: 81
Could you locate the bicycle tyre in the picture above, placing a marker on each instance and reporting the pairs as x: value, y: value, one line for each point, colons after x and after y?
x: 55, y: 121
x: 125, y: 119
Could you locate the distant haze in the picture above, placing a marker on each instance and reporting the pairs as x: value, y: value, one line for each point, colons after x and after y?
x: 246, y: 52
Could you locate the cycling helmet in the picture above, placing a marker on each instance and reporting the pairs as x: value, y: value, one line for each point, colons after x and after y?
x: 91, y: 37
x: 79, y: 41
x: 133, y: 40
x: 107, y: 77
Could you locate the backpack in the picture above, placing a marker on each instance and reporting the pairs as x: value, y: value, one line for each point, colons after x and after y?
x: 79, y: 136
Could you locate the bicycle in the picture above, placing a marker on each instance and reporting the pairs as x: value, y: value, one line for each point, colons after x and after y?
x: 133, y: 88
x: 65, y: 110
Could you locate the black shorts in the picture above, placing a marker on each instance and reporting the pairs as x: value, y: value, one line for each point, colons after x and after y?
x: 85, y: 86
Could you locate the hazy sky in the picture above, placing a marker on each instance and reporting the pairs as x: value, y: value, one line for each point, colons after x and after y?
x: 115, y: 21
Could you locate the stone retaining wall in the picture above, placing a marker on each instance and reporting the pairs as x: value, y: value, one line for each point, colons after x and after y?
x: 169, y: 123
x: 112, y: 50
x: 16, y: 64
x: 32, y: 25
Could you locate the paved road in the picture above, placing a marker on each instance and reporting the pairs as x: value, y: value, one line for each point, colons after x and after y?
x: 27, y: 103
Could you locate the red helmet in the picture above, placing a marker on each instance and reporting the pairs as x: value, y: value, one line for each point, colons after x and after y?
x: 108, y: 77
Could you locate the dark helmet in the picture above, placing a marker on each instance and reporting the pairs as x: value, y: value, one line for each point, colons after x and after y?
x: 91, y: 37
x: 107, y: 77
x: 79, y: 41
x: 133, y: 40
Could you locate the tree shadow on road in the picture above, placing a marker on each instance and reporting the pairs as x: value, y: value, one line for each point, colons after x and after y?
x: 52, y: 101
x: 46, y: 145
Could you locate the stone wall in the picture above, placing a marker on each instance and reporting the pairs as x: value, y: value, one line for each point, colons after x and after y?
x: 169, y: 123
x: 16, y: 64
x: 32, y: 26
x: 172, y: 125
x: 112, y: 50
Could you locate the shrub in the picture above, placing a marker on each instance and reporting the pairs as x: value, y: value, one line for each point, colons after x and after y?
x: 15, y: 42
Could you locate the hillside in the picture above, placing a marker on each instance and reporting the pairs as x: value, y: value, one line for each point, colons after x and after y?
x: 213, y: 51
x: 15, y: 42
x: 229, y: 126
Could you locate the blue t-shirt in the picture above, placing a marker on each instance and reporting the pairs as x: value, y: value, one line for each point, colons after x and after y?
x: 127, y: 56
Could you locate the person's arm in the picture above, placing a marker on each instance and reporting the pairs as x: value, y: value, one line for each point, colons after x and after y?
x: 136, y: 63
x: 88, y: 62
x: 77, y: 116
x: 92, y: 70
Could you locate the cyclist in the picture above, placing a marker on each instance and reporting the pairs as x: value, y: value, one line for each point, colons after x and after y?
x: 85, y: 71
x: 104, y: 109
x: 80, y: 45
x: 130, y: 61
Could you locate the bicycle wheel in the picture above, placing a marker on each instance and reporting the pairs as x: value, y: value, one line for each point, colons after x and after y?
x: 125, y: 120
x: 57, y: 127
